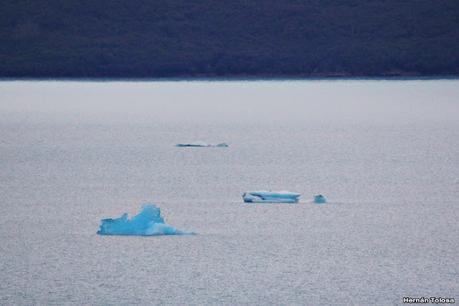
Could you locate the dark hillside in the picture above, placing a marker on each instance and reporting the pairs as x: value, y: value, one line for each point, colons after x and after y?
x: 172, y: 38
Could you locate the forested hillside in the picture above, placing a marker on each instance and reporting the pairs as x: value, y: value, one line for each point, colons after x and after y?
x: 233, y: 38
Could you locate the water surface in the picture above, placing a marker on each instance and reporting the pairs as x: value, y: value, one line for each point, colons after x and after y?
x: 385, y: 153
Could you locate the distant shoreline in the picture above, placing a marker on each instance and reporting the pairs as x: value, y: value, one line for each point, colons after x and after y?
x: 232, y: 78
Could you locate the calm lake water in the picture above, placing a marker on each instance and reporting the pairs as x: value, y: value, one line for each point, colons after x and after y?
x: 385, y: 154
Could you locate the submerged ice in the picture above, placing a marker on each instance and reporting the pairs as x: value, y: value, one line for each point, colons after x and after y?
x: 271, y: 197
x: 147, y: 223
x: 202, y: 144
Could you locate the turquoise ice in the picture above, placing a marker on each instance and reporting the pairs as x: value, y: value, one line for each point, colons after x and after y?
x: 147, y: 223
x: 320, y: 199
x: 271, y: 197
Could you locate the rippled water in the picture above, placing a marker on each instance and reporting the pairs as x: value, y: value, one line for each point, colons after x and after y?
x: 385, y: 154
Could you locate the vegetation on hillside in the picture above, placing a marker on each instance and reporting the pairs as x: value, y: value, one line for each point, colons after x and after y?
x: 175, y: 38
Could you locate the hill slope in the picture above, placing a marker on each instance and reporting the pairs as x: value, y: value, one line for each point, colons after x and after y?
x: 167, y: 38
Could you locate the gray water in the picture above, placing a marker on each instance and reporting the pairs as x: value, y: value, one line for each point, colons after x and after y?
x: 385, y: 154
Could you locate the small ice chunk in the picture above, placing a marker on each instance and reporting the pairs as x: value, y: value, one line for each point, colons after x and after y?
x: 271, y: 197
x: 147, y: 223
x: 202, y: 144
x: 197, y: 144
x: 320, y: 199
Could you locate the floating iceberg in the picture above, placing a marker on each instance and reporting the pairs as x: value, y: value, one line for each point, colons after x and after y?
x: 270, y: 197
x: 320, y: 199
x: 147, y: 223
x: 202, y: 144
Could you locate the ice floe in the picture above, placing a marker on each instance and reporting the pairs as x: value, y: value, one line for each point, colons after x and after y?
x: 202, y: 144
x: 271, y: 197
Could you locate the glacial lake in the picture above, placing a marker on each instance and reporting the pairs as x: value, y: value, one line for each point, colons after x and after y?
x: 384, y: 153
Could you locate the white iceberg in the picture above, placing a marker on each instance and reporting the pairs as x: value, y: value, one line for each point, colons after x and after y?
x: 147, y: 223
x: 271, y: 197
x: 202, y: 144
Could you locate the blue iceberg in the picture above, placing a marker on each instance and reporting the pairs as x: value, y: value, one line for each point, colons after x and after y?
x: 271, y: 197
x: 147, y: 223
x: 320, y: 199
x: 202, y: 144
